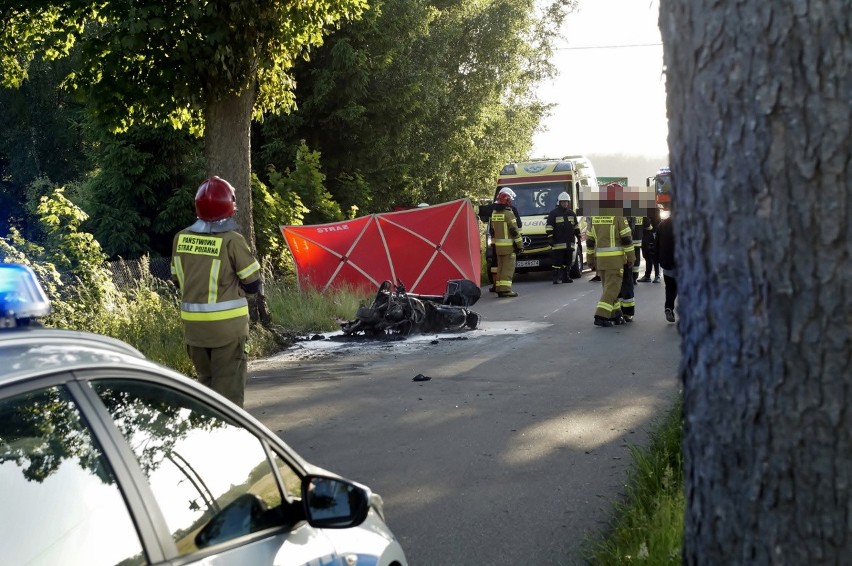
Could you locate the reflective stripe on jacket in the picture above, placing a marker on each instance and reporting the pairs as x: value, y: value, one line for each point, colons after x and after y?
x: 209, y: 269
x: 504, y: 230
x: 609, y: 242
x: 562, y: 228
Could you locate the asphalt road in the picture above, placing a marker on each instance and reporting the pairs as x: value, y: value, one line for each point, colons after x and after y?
x: 514, y: 451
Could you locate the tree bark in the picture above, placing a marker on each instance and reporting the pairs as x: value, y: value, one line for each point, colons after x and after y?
x: 759, y: 136
x: 227, y: 143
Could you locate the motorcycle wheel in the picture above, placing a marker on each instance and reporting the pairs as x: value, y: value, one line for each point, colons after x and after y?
x: 472, y: 320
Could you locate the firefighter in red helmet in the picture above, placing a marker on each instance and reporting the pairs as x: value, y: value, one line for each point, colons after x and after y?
x: 215, y: 269
x: 507, y: 241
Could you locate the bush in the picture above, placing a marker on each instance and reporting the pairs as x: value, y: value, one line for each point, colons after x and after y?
x: 71, y: 268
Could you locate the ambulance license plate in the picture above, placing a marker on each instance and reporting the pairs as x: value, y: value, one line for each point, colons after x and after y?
x: 527, y: 263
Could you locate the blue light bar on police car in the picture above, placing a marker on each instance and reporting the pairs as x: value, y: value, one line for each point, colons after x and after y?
x: 21, y: 295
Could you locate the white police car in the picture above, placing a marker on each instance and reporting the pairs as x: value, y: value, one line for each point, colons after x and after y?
x: 107, y: 458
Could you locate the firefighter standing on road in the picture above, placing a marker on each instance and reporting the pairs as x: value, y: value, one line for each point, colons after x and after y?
x: 214, y: 268
x: 484, y: 216
x: 562, y: 231
x: 507, y: 241
x: 610, y: 250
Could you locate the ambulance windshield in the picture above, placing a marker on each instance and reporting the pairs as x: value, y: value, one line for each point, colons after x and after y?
x: 538, y: 198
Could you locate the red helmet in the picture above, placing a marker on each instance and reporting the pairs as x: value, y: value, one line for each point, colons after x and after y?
x: 215, y: 200
x: 614, y: 192
x: 505, y: 196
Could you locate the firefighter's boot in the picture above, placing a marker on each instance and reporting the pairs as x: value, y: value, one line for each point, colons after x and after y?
x: 565, y: 277
x: 556, y: 276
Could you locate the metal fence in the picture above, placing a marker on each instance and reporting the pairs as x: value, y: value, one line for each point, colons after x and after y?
x: 127, y: 273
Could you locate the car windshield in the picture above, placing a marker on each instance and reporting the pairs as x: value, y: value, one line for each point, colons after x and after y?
x: 663, y: 185
x: 537, y: 198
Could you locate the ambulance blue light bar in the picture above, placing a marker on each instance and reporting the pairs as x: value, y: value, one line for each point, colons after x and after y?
x: 21, y: 296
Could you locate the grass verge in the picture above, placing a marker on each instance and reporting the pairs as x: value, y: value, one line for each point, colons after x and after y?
x: 309, y: 310
x: 647, y: 527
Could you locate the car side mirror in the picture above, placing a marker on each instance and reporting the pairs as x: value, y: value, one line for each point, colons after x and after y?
x: 242, y: 516
x: 334, y: 503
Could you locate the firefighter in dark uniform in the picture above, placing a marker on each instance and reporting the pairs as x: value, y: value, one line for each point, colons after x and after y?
x: 215, y: 269
x: 609, y: 249
x: 507, y: 241
x: 562, y: 232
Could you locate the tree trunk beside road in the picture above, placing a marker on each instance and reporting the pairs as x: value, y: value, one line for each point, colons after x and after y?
x: 227, y: 144
x: 759, y: 132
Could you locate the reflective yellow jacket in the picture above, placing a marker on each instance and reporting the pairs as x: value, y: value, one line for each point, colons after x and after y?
x: 609, y: 242
x: 209, y: 269
x: 504, y: 231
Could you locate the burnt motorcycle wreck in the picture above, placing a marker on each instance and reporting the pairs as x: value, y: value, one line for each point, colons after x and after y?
x: 396, y: 312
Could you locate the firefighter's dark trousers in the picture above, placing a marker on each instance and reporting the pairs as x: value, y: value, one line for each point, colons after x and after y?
x: 222, y: 369
x: 560, y: 259
x: 626, y: 294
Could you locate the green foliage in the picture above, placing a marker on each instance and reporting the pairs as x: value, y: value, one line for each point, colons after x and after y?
x: 70, y: 263
x: 149, y: 319
x: 42, y: 138
x: 423, y: 101
x: 648, y: 526
x: 353, y: 193
x: 162, y: 62
x: 274, y: 205
x: 308, y: 182
x: 83, y: 295
x: 156, y: 172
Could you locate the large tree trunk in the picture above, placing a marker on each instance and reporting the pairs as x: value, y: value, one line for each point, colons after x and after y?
x: 227, y: 144
x: 759, y: 136
x: 227, y: 141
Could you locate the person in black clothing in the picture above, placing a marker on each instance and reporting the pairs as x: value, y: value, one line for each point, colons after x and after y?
x: 649, y: 247
x: 562, y: 232
x: 666, y: 256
